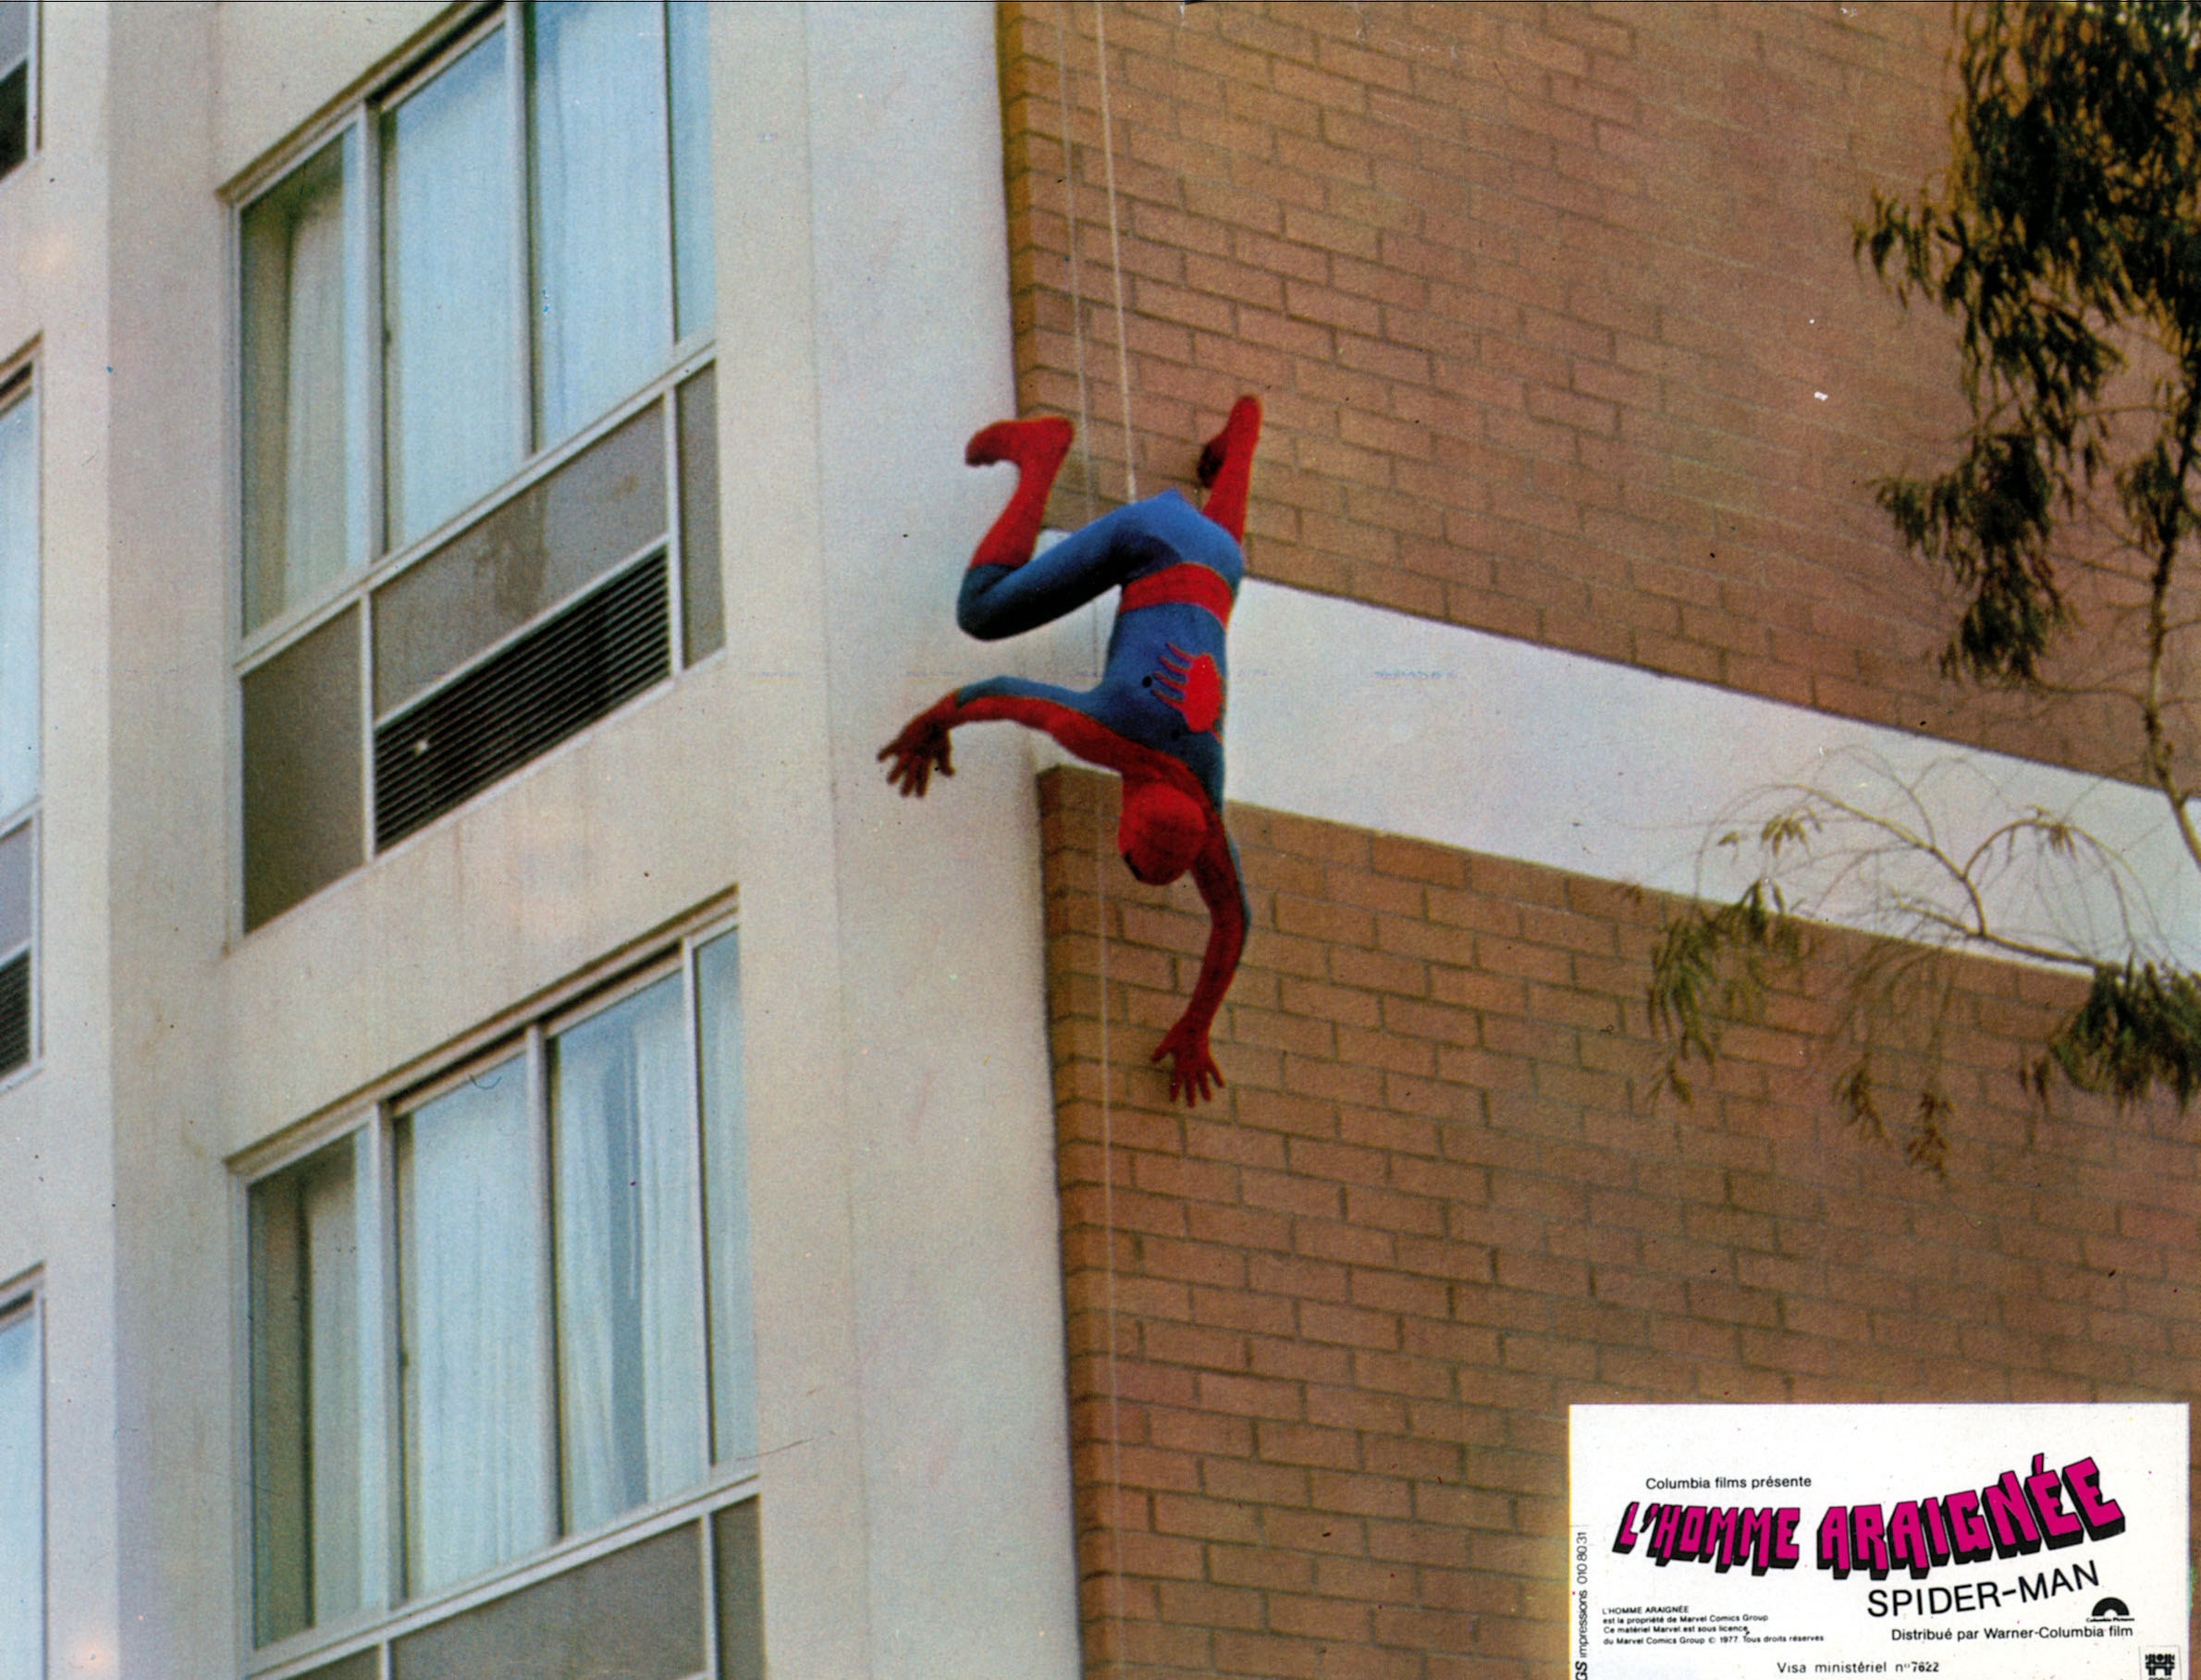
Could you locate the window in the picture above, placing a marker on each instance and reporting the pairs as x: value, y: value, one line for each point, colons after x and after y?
x: 19, y: 81
x: 19, y: 713
x: 501, y: 1360
x: 22, y: 1492
x: 479, y: 492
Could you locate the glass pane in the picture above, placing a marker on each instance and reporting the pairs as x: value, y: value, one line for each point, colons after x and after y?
x: 15, y: 116
x: 597, y: 117
x: 18, y: 608
x: 15, y: 1012
x: 700, y: 580
x: 688, y: 48
x: 22, y: 1502
x: 726, y: 1169
x: 282, y: 1597
x: 17, y: 886
x: 317, y: 1525
x: 474, y: 1312
x: 14, y: 32
x: 629, y: 1257
x: 299, y: 383
x: 451, y: 388
x: 635, y: 1614
x: 359, y: 1665
x: 602, y: 506
x: 740, y: 1582
x: 16, y: 889
x: 303, y: 818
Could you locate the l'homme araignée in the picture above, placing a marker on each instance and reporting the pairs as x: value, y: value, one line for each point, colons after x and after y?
x: 2012, y: 1516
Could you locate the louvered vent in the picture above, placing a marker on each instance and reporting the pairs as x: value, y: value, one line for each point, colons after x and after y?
x: 15, y: 1012
x: 554, y: 681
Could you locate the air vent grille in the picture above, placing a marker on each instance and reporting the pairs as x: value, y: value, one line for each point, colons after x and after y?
x: 522, y: 701
x: 15, y: 1012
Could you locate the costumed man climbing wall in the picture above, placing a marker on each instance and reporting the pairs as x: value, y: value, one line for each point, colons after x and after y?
x: 1156, y: 716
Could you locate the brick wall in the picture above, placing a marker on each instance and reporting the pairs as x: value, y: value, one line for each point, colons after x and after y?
x: 1351, y: 1302
x: 1552, y: 307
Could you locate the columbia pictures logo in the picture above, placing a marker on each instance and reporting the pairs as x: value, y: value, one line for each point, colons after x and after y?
x: 2164, y: 1664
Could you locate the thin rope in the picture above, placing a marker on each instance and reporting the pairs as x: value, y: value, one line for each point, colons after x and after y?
x: 1085, y: 430
x: 1085, y: 401
x: 1116, y: 251
x: 1108, y: 1174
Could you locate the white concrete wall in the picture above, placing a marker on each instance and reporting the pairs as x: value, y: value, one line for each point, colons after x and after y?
x: 56, y: 1146
x: 918, y: 1522
x: 916, y: 1493
x: 168, y: 863
x: 1355, y: 715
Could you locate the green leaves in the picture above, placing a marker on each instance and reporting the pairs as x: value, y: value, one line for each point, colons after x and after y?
x: 1710, y: 968
x: 1863, y: 849
x: 2064, y: 242
x: 2139, y: 1028
x: 1987, y: 520
x: 2067, y: 229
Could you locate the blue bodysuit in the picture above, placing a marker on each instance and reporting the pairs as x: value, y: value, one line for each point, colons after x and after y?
x: 1156, y: 716
x: 1166, y: 674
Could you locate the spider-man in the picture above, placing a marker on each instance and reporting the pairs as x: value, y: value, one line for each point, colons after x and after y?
x: 1156, y: 716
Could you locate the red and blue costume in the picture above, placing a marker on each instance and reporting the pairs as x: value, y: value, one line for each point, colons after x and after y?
x: 1156, y: 716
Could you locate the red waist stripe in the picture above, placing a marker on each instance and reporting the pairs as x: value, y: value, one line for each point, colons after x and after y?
x: 1192, y: 585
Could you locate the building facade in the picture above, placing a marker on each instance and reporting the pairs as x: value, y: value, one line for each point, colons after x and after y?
x: 524, y: 1156
x: 305, y: 1370
x: 1576, y: 398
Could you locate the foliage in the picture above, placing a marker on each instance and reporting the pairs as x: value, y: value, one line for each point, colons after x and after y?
x: 2140, y: 1027
x: 2064, y: 241
x: 1710, y: 968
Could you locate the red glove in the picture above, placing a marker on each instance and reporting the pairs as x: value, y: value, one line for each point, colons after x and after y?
x: 921, y: 748
x: 1194, y: 1073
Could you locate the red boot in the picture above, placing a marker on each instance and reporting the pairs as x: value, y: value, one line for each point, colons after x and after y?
x: 1226, y: 466
x: 1036, y: 446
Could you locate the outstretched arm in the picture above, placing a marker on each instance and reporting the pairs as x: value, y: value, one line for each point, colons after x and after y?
x: 922, y: 747
x: 1193, y: 1073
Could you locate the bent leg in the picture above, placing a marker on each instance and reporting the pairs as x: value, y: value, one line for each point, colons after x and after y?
x: 1036, y: 446
x: 998, y: 601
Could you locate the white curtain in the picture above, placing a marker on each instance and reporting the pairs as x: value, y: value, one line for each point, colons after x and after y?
x: 19, y: 607
x: 22, y: 1502
x: 316, y: 520
x: 329, y: 1207
x: 602, y: 207
x: 470, y: 1264
x: 726, y: 1168
x: 629, y: 1253
x: 299, y: 344
x: 450, y: 369
x: 319, y: 1535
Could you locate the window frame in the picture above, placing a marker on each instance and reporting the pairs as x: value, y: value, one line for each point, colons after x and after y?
x: 26, y: 822
x: 355, y: 122
x: 23, y: 1297
x: 19, y: 386
x: 304, y: 1653
x: 33, y: 66
x: 372, y: 1117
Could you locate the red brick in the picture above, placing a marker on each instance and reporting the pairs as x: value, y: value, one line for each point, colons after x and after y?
x: 1483, y: 262
x: 1180, y: 67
